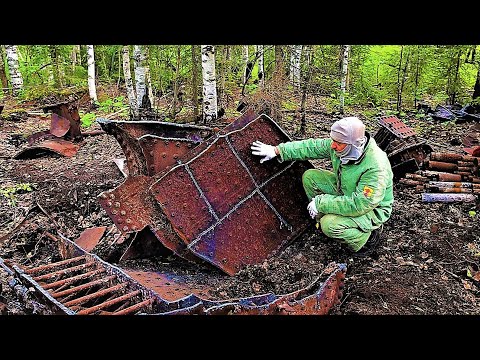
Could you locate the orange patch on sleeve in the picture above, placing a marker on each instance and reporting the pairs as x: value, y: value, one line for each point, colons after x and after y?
x: 367, y: 191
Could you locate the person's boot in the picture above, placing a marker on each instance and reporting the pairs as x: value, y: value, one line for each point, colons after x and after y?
x: 371, y: 244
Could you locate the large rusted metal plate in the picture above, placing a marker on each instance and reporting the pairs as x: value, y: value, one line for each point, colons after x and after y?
x: 58, y: 146
x: 222, y: 204
x: 396, y: 126
x: 59, y: 125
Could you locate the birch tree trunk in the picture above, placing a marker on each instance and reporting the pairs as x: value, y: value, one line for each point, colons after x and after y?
x: 295, y: 67
x: 245, y: 63
x: 148, y: 78
x: 132, y: 98
x: 3, y: 75
x: 76, y: 57
x: 209, y: 84
x: 308, y: 53
x: 15, y: 76
x: 343, y: 80
x: 261, y: 70
x: 195, y: 83
x: 92, y: 90
x: 139, y: 66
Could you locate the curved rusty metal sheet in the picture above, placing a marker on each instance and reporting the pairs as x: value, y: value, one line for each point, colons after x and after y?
x: 143, y: 142
x: 41, y: 135
x: 57, y: 146
x: 223, y: 205
x: 59, y: 125
x: 90, y: 237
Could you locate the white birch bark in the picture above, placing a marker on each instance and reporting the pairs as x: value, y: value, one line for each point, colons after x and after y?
x: 295, y: 65
x: 209, y: 83
x: 132, y: 98
x: 15, y: 76
x: 148, y: 77
x: 245, y: 62
x: 261, y: 70
x: 92, y: 90
x: 343, y: 83
x: 75, y: 56
x: 139, y: 66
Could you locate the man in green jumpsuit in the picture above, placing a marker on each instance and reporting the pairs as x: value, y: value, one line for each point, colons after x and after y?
x: 352, y: 202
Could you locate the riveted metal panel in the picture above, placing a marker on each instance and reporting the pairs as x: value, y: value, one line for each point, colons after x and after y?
x: 226, y: 180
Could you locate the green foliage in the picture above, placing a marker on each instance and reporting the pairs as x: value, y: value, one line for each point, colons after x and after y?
x: 87, y: 119
x: 10, y: 191
x: 472, y: 213
x: 112, y: 105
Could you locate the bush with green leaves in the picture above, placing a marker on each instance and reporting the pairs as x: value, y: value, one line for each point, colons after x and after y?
x: 10, y: 192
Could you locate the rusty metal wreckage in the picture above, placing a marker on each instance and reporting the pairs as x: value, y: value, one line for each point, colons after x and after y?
x: 199, y: 193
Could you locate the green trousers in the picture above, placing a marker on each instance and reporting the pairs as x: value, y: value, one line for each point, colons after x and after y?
x: 338, y: 227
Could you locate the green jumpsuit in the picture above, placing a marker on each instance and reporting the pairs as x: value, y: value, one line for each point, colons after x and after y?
x: 355, y: 198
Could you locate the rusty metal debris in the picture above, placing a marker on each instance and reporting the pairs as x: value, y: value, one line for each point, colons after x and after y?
x: 446, y: 177
x: 218, y: 204
x: 151, y: 146
x: 62, y: 136
x: 80, y: 283
x: 90, y: 237
x: 404, y: 150
x: 57, y: 146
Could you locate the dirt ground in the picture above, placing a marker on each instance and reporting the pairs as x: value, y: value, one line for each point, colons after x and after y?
x: 427, y: 262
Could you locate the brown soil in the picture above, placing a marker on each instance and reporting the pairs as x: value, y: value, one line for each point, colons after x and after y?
x: 427, y: 262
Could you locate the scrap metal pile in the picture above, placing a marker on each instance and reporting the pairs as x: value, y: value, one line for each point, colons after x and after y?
x: 63, y: 136
x: 446, y: 177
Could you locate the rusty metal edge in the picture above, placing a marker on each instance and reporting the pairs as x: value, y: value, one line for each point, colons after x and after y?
x: 106, y: 121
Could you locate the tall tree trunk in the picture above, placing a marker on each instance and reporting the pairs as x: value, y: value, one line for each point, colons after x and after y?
x: 343, y: 78
x: 176, y: 84
x: 195, y: 83
x: 295, y: 65
x: 261, y: 70
x: 148, y: 77
x: 57, y: 80
x: 139, y: 65
x: 453, y: 91
x: 209, y: 84
x: 308, y: 53
x: 417, y: 77
x: 76, y: 58
x: 222, y: 98
x: 132, y: 97
x: 245, y: 64
x: 399, y: 95
x: 279, y: 71
x: 15, y: 76
x: 3, y: 75
x: 402, y: 83
x: 91, y: 73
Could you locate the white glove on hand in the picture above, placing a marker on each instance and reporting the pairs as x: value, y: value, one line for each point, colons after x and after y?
x: 267, y: 151
x: 312, y: 209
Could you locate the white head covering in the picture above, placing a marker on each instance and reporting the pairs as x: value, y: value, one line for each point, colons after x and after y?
x: 350, y: 131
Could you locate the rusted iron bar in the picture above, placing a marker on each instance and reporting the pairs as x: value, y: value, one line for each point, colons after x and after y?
x: 443, y: 166
x: 410, y: 182
x: 54, y: 265
x: 442, y: 176
x: 73, y: 279
x: 452, y: 157
x: 95, y: 295
x: 448, y: 197
x: 76, y: 289
x: 66, y: 271
x: 134, y: 308
x: 416, y: 177
x: 109, y: 303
